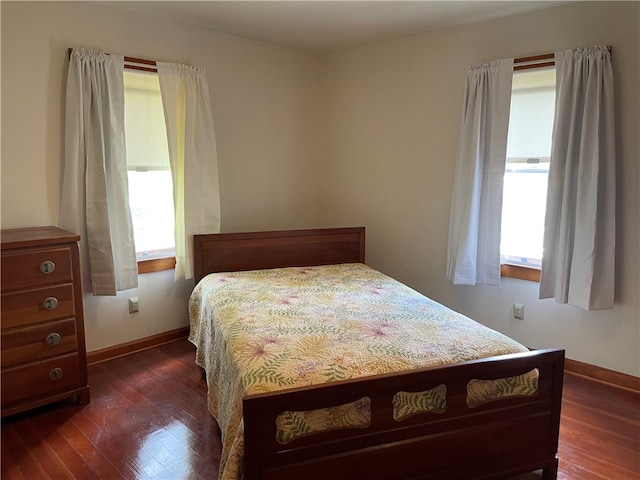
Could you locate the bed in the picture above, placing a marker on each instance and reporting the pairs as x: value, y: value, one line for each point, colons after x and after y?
x: 488, y: 416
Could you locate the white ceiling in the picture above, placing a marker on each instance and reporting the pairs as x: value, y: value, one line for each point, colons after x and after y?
x: 329, y: 26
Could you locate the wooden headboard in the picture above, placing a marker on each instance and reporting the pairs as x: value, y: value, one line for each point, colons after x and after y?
x: 231, y: 252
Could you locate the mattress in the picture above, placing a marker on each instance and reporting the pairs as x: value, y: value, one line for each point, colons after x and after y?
x: 268, y: 330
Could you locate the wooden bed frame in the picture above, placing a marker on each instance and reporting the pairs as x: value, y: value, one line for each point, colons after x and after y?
x: 498, y: 439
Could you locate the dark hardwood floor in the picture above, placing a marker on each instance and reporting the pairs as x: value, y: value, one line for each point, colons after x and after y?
x: 148, y: 419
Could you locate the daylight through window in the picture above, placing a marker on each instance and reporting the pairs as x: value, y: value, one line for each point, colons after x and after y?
x: 149, y: 171
x: 527, y: 166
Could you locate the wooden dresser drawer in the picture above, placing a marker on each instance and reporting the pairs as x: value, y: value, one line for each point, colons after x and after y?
x: 44, y: 377
x: 49, y: 339
x: 37, y: 305
x: 42, y: 342
x: 28, y: 268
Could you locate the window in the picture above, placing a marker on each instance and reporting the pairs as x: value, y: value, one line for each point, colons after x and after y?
x: 149, y: 171
x: 527, y: 167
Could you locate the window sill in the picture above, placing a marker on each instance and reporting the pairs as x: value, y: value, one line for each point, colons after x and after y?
x: 518, y: 271
x: 156, y: 265
x: 506, y: 270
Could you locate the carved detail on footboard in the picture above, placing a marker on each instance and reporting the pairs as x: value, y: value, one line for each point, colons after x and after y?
x: 499, y: 438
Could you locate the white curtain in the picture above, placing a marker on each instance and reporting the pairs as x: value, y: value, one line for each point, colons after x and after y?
x: 193, y: 157
x: 476, y: 210
x: 94, y: 200
x: 578, y: 265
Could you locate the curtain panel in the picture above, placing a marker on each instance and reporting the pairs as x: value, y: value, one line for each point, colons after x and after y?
x: 95, y: 199
x: 193, y: 157
x: 578, y: 265
x: 476, y: 210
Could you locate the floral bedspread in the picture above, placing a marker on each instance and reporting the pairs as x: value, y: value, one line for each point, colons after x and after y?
x: 269, y: 330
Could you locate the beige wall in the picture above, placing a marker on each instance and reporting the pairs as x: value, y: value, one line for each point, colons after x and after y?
x: 362, y: 137
x: 266, y: 106
x: 394, y: 116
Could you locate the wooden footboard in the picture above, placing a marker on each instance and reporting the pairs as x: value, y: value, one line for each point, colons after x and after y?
x: 493, y: 440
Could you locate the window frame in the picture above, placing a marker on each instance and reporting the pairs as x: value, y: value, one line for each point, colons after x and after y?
x: 168, y: 262
x: 156, y: 264
x: 510, y: 270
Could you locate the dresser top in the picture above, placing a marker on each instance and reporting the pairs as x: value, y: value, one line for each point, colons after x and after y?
x: 35, y: 236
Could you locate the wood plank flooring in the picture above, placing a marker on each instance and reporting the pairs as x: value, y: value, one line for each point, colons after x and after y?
x: 148, y: 419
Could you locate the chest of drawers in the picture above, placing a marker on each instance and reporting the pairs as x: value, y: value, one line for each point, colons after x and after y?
x: 42, y: 324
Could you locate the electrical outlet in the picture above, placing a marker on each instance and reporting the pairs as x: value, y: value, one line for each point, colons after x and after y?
x: 133, y: 304
x: 518, y: 311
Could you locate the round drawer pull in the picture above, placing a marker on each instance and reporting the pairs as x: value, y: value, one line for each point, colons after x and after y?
x: 53, y: 339
x: 55, y: 374
x: 47, y: 267
x: 50, y: 303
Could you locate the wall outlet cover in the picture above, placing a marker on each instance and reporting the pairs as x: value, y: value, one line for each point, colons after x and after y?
x: 133, y: 304
x: 518, y: 311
